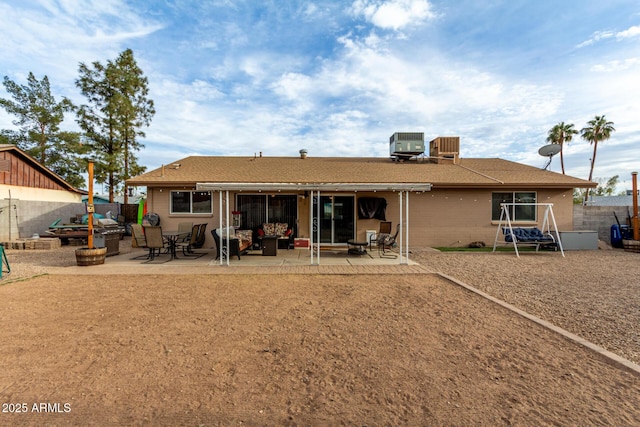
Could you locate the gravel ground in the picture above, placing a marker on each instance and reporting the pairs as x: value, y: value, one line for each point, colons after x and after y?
x: 594, y: 294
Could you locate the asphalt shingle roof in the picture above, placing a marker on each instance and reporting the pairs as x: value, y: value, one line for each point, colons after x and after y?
x: 468, y: 173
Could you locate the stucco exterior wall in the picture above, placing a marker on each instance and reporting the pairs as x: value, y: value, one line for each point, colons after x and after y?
x: 454, y: 217
x: 459, y: 217
x: 158, y: 202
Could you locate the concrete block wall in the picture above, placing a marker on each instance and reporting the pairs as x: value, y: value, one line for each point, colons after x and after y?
x: 26, y: 217
x: 600, y: 219
x: 33, y: 216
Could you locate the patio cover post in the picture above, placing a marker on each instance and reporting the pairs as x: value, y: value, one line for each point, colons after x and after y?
x: 223, y: 251
x: 311, y: 228
x: 405, y: 239
x: 227, y: 226
x: 315, y: 227
x: 407, y: 227
x: 403, y: 233
x: 401, y: 227
x: 403, y: 247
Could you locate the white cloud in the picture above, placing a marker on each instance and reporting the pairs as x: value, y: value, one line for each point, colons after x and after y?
x: 393, y: 14
x: 64, y: 33
x: 616, y: 65
x: 294, y: 86
x: 381, y: 91
x: 310, y: 10
x: 629, y: 33
x: 596, y: 37
x: 603, y: 35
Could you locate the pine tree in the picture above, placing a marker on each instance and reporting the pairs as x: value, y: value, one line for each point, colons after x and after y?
x: 118, y: 108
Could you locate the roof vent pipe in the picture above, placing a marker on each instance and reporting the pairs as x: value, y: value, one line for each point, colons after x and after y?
x: 303, y: 153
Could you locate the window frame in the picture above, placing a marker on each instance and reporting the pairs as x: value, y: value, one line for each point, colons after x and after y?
x: 191, y: 202
x: 515, y: 197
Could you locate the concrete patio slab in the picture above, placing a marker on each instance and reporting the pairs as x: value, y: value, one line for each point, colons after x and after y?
x: 294, y: 261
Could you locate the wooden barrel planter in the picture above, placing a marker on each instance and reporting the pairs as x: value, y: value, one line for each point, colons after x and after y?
x: 631, y: 245
x: 90, y: 256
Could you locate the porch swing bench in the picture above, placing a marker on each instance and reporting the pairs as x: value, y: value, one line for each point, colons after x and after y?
x: 529, y: 236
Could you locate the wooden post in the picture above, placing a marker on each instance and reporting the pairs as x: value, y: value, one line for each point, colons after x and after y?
x: 90, y: 208
x: 634, y: 220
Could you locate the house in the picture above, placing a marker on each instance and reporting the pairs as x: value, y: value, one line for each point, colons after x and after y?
x: 440, y: 199
x: 33, y: 195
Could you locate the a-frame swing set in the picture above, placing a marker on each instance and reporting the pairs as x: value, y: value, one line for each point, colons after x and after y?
x: 529, y: 236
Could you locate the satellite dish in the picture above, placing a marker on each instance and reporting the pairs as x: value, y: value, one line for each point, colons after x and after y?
x: 549, y: 151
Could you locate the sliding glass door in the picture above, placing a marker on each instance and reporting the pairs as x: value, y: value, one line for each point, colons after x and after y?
x: 337, y: 216
x: 256, y: 209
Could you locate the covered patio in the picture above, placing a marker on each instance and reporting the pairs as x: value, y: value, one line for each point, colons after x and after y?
x: 314, y: 190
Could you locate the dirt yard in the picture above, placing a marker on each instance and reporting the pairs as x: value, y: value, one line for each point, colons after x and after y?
x: 314, y: 350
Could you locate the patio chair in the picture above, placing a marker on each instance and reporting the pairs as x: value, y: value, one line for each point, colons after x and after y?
x: 155, y: 241
x: 286, y: 240
x: 234, y: 245
x: 186, y: 227
x: 138, y: 240
x: 201, y: 236
x: 188, y: 246
x: 386, y: 242
x: 385, y: 229
x: 137, y: 236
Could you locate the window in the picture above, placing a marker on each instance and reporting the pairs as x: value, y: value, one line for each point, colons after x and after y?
x: 191, y: 202
x: 516, y: 212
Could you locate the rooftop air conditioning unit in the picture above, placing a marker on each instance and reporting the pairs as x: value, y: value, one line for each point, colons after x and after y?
x: 404, y: 145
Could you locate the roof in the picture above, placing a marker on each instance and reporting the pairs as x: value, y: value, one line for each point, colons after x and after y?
x: 469, y: 173
x: 32, y: 162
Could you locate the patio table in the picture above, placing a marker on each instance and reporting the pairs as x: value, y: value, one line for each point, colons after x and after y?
x: 172, y: 238
x: 356, y: 247
x: 269, y: 245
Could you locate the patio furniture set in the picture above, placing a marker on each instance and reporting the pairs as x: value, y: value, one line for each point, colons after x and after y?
x: 270, y: 237
x: 188, y: 237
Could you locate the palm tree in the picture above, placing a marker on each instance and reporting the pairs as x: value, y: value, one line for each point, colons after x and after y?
x: 599, y: 129
x: 559, y: 134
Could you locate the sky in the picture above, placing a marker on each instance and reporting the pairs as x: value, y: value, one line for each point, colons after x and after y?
x: 338, y: 78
